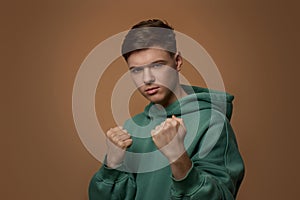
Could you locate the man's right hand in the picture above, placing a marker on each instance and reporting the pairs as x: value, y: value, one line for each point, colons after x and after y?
x: 117, y: 140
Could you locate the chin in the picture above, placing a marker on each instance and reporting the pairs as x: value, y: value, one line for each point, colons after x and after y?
x: 157, y: 101
x: 154, y: 99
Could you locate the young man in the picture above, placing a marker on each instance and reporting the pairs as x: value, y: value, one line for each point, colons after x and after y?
x: 182, y: 146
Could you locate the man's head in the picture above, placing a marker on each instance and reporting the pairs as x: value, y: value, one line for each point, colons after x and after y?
x: 150, y: 51
x: 147, y: 34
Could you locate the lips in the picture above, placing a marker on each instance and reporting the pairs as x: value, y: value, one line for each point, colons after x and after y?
x: 152, y: 90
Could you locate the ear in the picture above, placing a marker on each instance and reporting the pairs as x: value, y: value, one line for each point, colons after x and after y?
x: 178, y: 61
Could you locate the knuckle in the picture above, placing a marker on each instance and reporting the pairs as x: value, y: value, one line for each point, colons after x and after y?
x: 168, y: 121
x: 154, y: 138
x: 112, y: 136
x: 115, y: 139
x: 174, y: 121
x: 114, y: 129
x: 109, y: 132
x: 167, y: 125
x: 121, y: 144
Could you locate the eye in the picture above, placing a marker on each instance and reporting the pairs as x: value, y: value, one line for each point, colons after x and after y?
x: 136, y: 70
x: 157, y: 65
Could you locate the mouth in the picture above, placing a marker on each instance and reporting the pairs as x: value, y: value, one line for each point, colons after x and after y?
x: 152, y: 90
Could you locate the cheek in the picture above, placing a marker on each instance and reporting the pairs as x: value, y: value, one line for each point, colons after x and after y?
x: 167, y: 78
x: 137, y: 80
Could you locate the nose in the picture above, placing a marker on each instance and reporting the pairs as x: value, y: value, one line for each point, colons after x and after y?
x: 148, y: 77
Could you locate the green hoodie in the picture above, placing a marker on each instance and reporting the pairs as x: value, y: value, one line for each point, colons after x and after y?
x: 217, y: 167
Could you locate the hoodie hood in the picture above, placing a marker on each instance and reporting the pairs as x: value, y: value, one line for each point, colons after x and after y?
x: 197, y: 99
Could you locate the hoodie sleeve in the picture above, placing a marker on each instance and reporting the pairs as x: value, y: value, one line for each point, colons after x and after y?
x: 112, y: 184
x: 216, y: 172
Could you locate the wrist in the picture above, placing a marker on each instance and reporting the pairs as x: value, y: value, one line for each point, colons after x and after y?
x: 175, y: 153
x: 113, y: 166
x: 111, y: 163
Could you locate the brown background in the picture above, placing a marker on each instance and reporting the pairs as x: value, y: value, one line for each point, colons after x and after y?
x: 255, y: 45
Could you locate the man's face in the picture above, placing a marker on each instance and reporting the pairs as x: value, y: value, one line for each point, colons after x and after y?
x: 155, y: 73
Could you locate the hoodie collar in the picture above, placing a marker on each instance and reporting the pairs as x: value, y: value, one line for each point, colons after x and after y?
x: 198, y: 99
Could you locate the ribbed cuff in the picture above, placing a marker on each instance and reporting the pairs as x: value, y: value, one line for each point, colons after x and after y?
x: 110, y: 175
x: 188, y: 184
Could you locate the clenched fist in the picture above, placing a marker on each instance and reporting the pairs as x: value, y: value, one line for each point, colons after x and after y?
x: 169, y: 138
x: 117, y: 140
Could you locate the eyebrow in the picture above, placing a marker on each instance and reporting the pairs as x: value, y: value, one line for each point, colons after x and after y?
x: 154, y: 62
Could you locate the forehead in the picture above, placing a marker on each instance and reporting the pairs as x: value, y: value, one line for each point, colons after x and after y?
x: 147, y: 56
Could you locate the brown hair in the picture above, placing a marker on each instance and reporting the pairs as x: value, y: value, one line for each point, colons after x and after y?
x: 147, y: 34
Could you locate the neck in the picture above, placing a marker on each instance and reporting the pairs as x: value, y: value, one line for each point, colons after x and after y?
x: 178, y: 93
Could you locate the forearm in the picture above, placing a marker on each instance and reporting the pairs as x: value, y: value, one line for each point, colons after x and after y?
x: 217, y: 175
x: 110, y: 183
x: 199, y: 185
x: 181, y: 166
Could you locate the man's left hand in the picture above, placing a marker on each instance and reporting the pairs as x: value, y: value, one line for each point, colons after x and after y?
x: 169, y: 138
